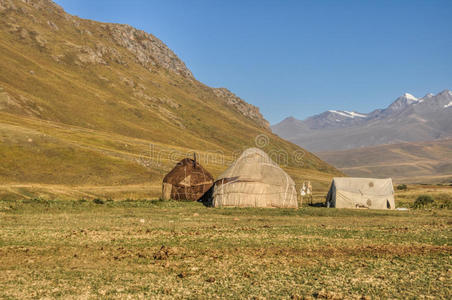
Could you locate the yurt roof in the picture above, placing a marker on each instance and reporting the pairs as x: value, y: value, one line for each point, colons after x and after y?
x: 184, y: 168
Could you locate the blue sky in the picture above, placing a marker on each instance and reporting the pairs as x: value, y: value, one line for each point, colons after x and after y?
x: 299, y: 58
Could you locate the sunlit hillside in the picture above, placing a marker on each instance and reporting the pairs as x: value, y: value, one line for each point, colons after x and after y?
x: 89, y: 109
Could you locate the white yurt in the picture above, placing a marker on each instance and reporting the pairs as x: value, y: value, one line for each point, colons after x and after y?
x: 254, y: 180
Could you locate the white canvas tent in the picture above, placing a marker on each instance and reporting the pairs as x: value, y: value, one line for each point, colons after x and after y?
x: 254, y: 180
x: 361, y: 193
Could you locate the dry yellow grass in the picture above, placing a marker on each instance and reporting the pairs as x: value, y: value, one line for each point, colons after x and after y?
x: 167, y: 250
x: 420, y: 162
x: 442, y: 194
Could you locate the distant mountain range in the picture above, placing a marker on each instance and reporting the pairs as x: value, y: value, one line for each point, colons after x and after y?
x: 407, y: 119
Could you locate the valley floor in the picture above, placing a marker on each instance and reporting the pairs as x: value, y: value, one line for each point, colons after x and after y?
x: 417, y: 162
x: 157, y: 249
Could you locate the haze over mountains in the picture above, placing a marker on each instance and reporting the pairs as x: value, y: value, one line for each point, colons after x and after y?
x: 102, y: 109
x: 408, y: 141
x: 407, y: 119
x: 414, y: 162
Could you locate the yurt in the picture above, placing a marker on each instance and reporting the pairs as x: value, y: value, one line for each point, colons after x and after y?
x: 254, y: 180
x: 188, y: 180
x: 361, y: 193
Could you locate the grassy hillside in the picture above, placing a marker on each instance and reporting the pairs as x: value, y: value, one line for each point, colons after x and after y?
x: 87, y: 107
x: 423, y: 162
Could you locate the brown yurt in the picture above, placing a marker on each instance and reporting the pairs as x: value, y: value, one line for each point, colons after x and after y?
x: 187, y: 181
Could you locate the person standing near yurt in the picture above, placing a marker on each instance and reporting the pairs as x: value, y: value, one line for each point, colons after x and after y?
x: 254, y: 180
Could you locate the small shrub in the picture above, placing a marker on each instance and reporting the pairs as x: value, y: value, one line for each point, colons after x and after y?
x: 445, y: 204
x: 443, y: 200
x: 423, y: 200
x: 402, y: 187
x: 36, y: 201
x: 98, y: 201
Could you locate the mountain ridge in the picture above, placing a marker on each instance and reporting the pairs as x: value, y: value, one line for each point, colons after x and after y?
x: 401, y: 121
x: 146, y: 49
x: 87, y: 104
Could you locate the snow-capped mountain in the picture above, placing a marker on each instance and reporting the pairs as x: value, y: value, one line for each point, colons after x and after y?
x: 334, y: 118
x: 348, y: 114
x: 407, y: 119
x: 402, y: 102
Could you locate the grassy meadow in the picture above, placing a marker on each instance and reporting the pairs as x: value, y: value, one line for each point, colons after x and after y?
x: 84, y: 147
x: 167, y: 249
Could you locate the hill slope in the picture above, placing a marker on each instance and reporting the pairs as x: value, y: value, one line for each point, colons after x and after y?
x: 421, y: 162
x: 105, y: 109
